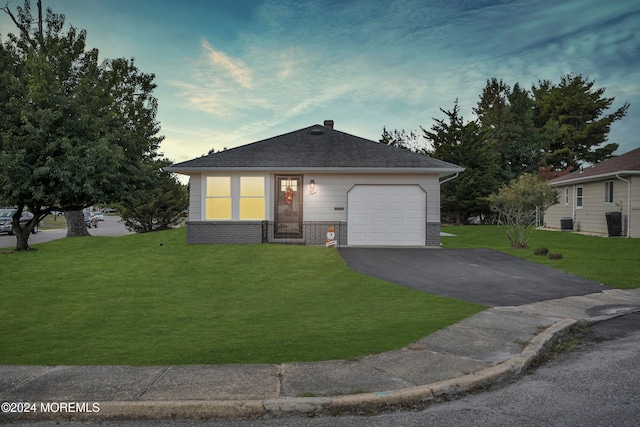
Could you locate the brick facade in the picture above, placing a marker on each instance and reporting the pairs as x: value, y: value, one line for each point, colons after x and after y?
x: 224, y: 232
x: 433, y: 234
x: 315, y: 232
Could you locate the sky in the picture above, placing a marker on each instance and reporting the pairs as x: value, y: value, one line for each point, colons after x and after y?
x: 232, y: 72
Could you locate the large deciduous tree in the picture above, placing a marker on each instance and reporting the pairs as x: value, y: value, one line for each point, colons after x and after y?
x: 76, y: 132
x: 577, y: 117
x: 455, y: 141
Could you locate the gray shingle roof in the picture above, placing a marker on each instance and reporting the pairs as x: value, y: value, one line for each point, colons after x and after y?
x: 628, y: 162
x: 316, y: 147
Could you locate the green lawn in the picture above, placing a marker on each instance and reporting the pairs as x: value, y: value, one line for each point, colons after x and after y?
x: 51, y: 221
x: 129, y: 300
x: 612, y: 261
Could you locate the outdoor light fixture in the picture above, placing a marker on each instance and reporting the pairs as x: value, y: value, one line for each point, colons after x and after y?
x: 312, y: 187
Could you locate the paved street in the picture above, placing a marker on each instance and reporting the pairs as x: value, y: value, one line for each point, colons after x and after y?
x: 111, y: 226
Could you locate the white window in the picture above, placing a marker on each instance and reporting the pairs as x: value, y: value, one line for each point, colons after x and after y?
x: 218, y: 199
x: 235, y: 198
x: 608, y: 192
x: 579, y: 196
x: 566, y: 195
x: 252, y: 198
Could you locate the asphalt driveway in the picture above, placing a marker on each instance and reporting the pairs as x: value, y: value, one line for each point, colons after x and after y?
x: 482, y: 276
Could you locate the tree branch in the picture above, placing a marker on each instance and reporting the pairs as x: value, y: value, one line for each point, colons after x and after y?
x: 23, y: 29
x: 40, y: 34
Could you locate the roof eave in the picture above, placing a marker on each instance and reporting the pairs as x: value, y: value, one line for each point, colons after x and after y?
x: 594, y: 177
x: 194, y: 170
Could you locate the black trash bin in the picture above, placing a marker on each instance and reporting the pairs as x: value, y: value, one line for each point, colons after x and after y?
x: 614, y: 223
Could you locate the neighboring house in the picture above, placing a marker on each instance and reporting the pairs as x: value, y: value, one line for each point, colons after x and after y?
x: 291, y: 188
x: 588, y: 195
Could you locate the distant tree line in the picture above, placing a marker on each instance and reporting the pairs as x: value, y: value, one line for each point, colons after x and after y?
x: 548, y: 130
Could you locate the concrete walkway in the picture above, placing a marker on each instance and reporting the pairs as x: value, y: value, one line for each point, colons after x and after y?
x: 495, y: 345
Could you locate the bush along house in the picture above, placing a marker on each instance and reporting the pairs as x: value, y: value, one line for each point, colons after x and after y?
x: 292, y: 188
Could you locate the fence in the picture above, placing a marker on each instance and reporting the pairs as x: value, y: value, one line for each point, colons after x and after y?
x: 305, y: 233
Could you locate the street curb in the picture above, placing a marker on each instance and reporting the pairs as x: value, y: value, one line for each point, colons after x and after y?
x: 365, y: 403
x: 376, y: 402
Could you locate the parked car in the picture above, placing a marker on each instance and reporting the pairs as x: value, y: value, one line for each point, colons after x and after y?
x: 90, y: 220
x: 6, y: 218
x: 98, y: 215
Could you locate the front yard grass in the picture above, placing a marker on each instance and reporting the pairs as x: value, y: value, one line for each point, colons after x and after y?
x: 130, y: 300
x: 612, y: 261
x: 53, y: 221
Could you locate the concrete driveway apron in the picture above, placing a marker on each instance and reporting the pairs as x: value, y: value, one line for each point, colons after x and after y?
x: 482, y: 276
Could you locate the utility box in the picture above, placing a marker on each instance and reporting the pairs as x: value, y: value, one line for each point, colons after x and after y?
x: 614, y: 223
x: 566, y: 224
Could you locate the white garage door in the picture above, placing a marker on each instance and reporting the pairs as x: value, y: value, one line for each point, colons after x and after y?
x: 386, y: 215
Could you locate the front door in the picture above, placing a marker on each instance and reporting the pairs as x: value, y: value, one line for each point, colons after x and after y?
x: 288, y: 209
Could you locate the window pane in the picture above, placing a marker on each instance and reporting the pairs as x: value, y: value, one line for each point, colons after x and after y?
x: 579, y: 197
x: 608, y: 192
x: 219, y: 208
x: 252, y: 209
x: 218, y: 186
x: 252, y: 186
x: 289, y: 183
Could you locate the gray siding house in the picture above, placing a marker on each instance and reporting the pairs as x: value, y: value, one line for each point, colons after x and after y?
x: 295, y: 187
x: 588, y: 195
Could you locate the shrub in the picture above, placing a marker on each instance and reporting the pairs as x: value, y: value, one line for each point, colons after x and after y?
x: 555, y: 256
x: 157, y: 205
x: 519, y: 204
x: 541, y: 251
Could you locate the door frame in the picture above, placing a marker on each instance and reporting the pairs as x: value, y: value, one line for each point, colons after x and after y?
x: 287, y: 217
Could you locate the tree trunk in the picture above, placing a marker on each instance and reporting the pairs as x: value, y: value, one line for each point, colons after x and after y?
x: 76, y: 226
x: 22, y: 234
x: 22, y: 237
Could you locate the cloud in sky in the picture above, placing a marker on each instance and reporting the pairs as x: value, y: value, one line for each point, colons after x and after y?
x: 236, y: 69
x: 230, y: 72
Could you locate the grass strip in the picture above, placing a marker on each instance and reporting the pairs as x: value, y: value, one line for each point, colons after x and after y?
x: 612, y: 261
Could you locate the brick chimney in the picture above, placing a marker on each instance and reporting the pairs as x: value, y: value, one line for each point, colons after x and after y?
x: 328, y: 124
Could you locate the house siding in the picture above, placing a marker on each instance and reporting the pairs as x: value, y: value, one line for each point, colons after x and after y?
x: 330, y: 200
x: 325, y: 208
x: 195, y: 197
x: 591, y: 218
x: 557, y: 212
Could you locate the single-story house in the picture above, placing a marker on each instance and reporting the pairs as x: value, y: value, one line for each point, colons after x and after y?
x: 292, y: 188
x: 591, y: 197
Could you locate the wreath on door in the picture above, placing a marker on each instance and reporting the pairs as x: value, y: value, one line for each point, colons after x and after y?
x: 288, y: 196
